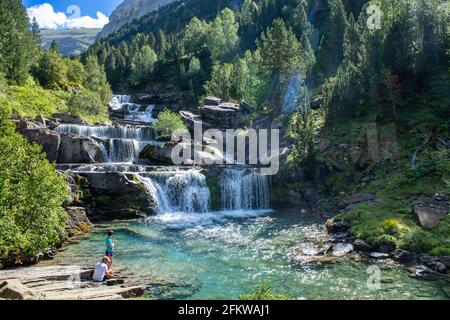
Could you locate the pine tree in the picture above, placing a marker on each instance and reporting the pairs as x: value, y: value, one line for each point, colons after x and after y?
x: 96, y: 79
x: 15, y: 41
x: 223, y: 39
x: 142, y: 65
x: 331, y: 44
x: 280, y: 50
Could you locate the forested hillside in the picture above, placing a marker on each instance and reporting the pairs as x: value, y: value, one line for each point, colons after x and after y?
x: 339, y: 71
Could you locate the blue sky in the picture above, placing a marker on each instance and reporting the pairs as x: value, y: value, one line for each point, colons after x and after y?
x: 88, y: 7
x: 70, y: 14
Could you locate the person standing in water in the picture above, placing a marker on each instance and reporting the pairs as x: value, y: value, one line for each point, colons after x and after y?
x: 109, y: 243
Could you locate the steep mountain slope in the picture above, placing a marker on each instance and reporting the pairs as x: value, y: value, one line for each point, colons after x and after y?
x: 70, y: 42
x: 130, y: 10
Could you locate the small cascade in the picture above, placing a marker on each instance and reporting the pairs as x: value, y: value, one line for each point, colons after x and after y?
x: 118, y: 101
x: 241, y: 189
x: 134, y: 113
x: 180, y: 191
x: 108, y: 132
x: 123, y: 150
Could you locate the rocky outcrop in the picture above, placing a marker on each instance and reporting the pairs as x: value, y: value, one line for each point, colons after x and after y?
x: 49, y: 140
x: 77, y: 221
x: 157, y: 153
x: 428, y: 211
x: 60, y: 147
x: 214, y: 114
x: 77, y: 149
x: 115, y: 196
x: 128, y: 11
x: 223, y: 116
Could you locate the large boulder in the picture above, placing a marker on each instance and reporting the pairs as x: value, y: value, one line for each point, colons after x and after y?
x: 222, y: 116
x: 428, y: 211
x: 116, y: 196
x: 190, y: 119
x: 77, y: 220
x: 78, y: 149
x: 68, y: 118
x: 13, y: 289
x: 49, y: 140
x: 157, y: 153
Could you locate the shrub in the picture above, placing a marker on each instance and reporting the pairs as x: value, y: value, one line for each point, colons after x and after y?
x: 167, y: 122
x: 263, y: 292
x: 88, y: 104
x: 31, y: 196
x: 31, y: 101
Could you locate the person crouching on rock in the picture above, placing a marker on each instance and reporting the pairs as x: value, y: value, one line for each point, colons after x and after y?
x: 102, y: 271
x: 109, y: 243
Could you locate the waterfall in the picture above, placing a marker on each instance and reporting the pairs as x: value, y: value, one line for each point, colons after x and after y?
x: 134, y: 113
x: 118, y: 101
x: 123, y: 150
x: 241, y: 189
x: 108, y: 132
x: 181, y: 191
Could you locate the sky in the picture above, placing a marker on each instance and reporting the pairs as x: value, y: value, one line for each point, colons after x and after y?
x: 69, y: 14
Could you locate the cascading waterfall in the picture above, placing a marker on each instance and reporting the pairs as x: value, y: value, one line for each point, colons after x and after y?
x: 123, y: 150
x: 181, y: 191
x: 108, y: 132
x: 121, y: 143
x: 134, y: 113
x: 118, y: 101
x: 241, y: 189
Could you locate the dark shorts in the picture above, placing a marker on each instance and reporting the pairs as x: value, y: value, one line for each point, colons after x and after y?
x: 109, y: 253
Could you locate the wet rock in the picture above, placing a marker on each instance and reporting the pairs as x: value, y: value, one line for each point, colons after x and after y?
x: 379, y: 255
x: 115, y: 196
x: 77, y: 149
x: 403, y: 256
x: 338, y: 226
x: 385, y: 248
x: 341, y: 249
x: 362, y: 246
x: 159, y: 153
x: 445, y: 260
x: 433, y: 263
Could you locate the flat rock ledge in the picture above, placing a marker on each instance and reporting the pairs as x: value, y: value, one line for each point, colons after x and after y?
x: 64, y: 283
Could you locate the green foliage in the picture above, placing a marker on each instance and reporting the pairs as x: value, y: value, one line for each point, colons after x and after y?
x: 31, y: 101
x: 31, y: 196
x: 96, y: 79
x: 142, y: 65
x: 223, y: 37
x: 263, y: 292
x: 16, y: 41
x: 280, y: 49
x: 167, y: 122
x: 195, y: 35
x: 75, y: 71
x: 86, y: 103
x: 52, y: 71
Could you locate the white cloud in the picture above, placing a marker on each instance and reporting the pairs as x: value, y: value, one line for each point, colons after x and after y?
x: 47, y: 18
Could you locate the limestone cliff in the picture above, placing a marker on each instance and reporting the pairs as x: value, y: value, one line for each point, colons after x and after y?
x: 128, y: 11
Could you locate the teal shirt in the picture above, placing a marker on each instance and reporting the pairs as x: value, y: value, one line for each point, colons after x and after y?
x: 109, y: 245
